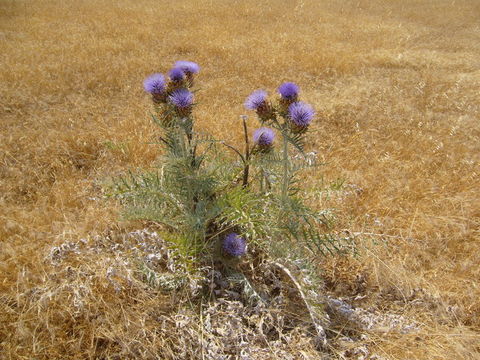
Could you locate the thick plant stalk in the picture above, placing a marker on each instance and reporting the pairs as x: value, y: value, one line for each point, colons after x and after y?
x: 246, y: 168
x: 285, y: 169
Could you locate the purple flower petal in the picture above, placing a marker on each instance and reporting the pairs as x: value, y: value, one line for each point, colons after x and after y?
x: 154, y: 84
x: 234, y: 245
x: 288, y: 90
x: 181, y: 98
x: 189, y: 67
x: 263, y: 136
x: 256, y: 99
x: 176, y: 74
x: 301, y: 114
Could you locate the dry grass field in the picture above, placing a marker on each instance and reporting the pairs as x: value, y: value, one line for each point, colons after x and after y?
x: 396, y: 86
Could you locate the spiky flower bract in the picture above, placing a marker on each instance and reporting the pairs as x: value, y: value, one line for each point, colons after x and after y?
x: 181, y: 98
x: 300, y: 114
x: 264, y: 137
x: 234, y: 245
x: 289, y: 90
x: 256, y: 100
x: 189, y: 67
x: 155, y: 84
x: 176, y: 74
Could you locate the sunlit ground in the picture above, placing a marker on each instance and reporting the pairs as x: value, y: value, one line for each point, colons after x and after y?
x: 396, y: 88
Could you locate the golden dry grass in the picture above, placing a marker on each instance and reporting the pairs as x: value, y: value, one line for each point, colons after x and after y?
x: 396, y: 85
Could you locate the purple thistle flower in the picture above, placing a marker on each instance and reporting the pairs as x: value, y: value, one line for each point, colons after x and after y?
x: 176, y: 74
x: 256, y: 99
x: 300, y: 114
x: 154, y: 84
x: 189, y: 67
x: 263, y: 137
x: 234, y: 245
x: 288, y: 90
x: 181, y: 98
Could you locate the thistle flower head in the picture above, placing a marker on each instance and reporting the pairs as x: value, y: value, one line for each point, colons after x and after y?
x: 288, y: 90
x: 181, y: 98
x: 263, y: 137
x: 176, y: 74
x: 188, y: 67
x: 300, y: 114
x: 256, y: 99
x: 234, y: 245
x: 154, y: 84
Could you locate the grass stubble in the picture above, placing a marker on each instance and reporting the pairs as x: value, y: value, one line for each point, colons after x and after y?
x: 395, y: 84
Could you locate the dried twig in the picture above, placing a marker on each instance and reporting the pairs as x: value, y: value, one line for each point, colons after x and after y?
x: 321, y: 340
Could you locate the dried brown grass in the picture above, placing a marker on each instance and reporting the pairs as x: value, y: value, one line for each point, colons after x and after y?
x: 396, y: 85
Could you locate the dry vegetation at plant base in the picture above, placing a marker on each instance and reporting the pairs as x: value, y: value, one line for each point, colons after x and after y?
x: 396, y: 87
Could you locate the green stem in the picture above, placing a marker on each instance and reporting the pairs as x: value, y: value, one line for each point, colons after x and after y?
x: 286, y: 164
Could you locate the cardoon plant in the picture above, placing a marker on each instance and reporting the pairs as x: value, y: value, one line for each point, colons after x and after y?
x: 208, y: 200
